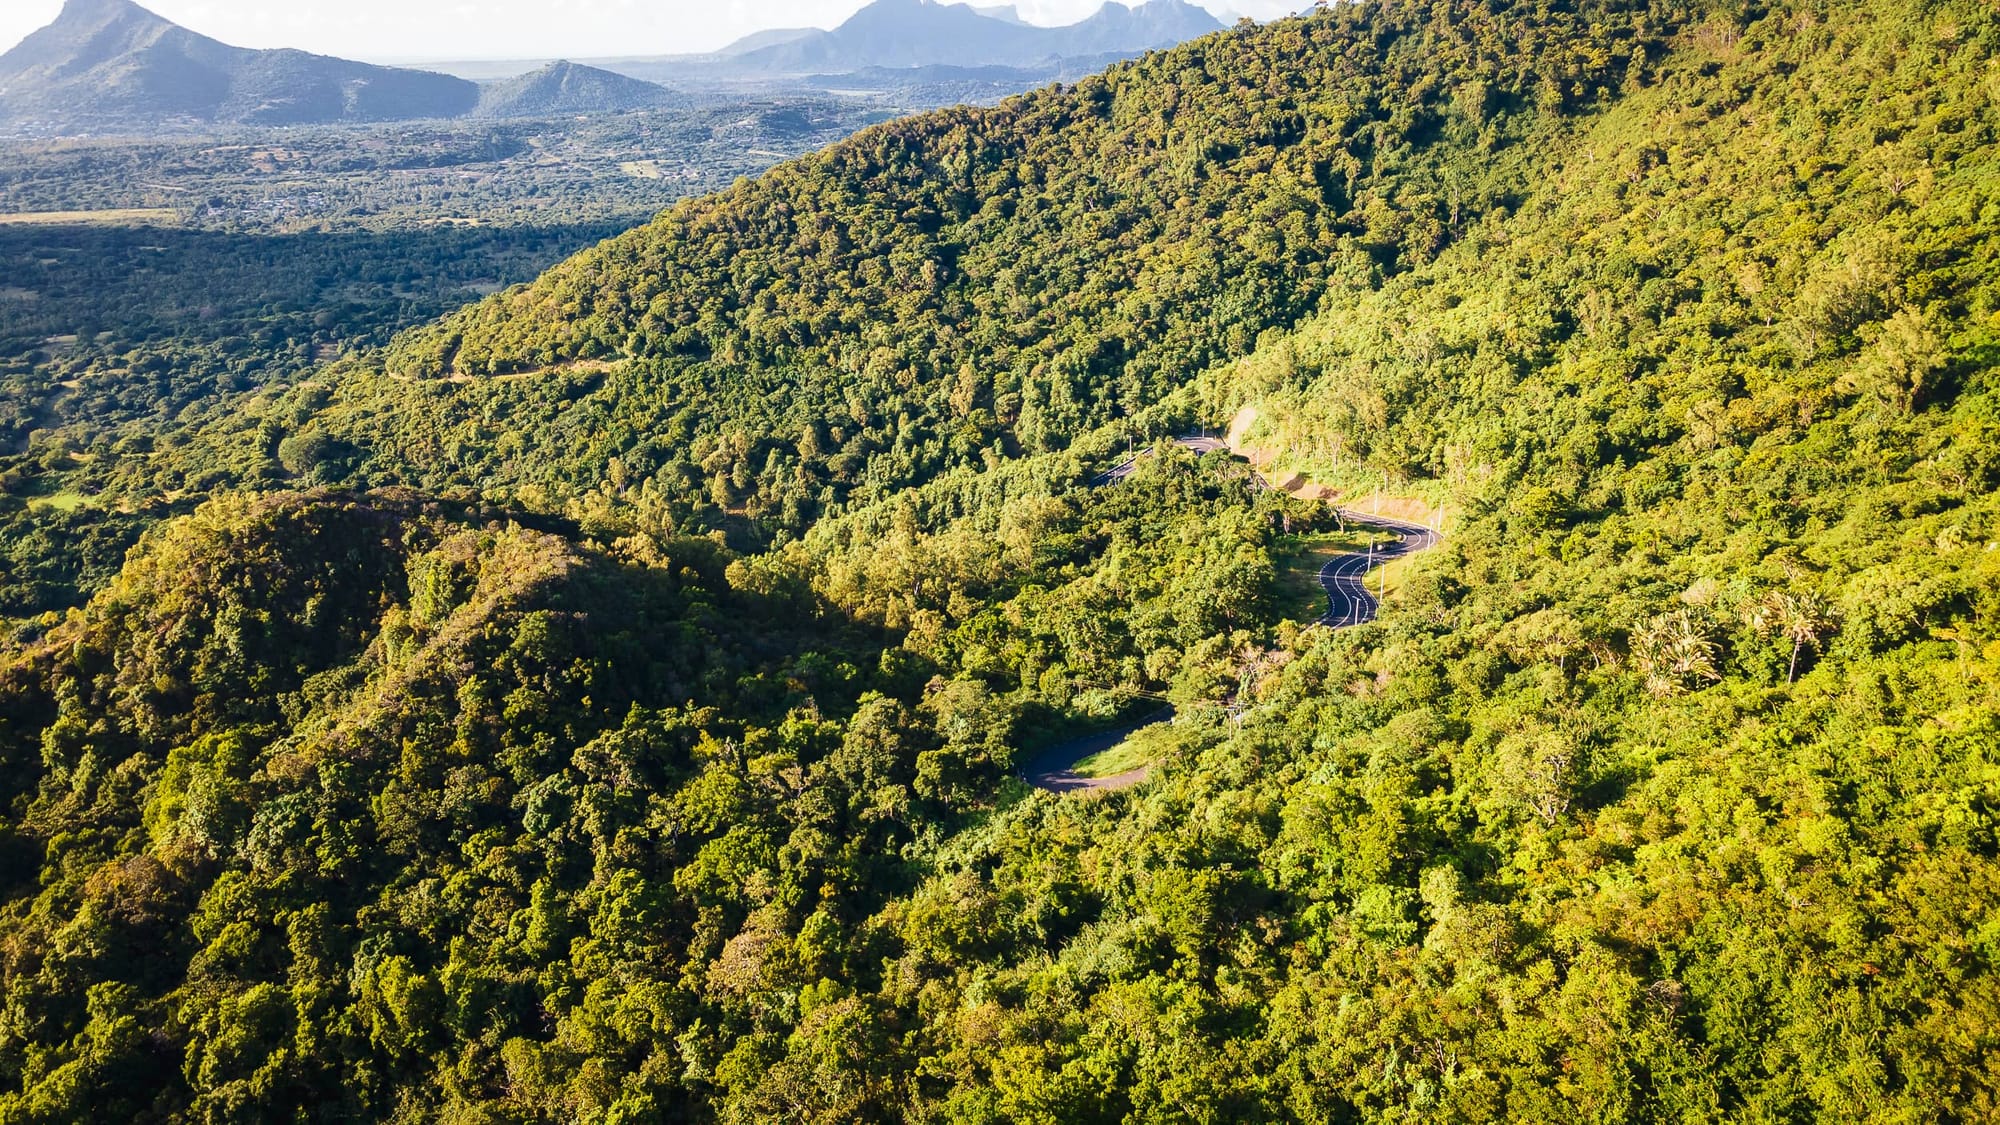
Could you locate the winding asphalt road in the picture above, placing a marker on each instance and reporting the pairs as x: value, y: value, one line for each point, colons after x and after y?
x: 1201, y: 446
x: 1345, y: 577
x: 1054, y: 769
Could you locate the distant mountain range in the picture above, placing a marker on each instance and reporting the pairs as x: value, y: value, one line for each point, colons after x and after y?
x: 913, y: 33
x: 111, y: 64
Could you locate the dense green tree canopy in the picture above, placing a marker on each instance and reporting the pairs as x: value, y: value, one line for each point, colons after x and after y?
x: 634, y: 741
x: 979, y: 283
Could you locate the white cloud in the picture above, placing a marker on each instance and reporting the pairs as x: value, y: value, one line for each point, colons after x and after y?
x: 442, y: 29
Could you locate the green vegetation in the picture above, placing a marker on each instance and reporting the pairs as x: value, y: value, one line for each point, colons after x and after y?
x: 1299, y: 562
x: 120, y: 342
x: 950, y: 292
x: 61, y: 501
x: 1301, y: 558
x: 604, y: 704
x: 137, y: 336
x: 1388, y: 581
x: 1138, y: 750
x: 368, y: 725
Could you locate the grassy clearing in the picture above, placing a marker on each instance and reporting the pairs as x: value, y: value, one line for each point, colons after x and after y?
x: 1141, y: 748
x: 1386, y: 582
x: 60, y: 502
x: 1299, y: 561
x: 129, y: 216
x: 1300, y: 558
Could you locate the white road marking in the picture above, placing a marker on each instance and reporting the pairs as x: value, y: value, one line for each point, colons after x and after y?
x: 1345, y: 578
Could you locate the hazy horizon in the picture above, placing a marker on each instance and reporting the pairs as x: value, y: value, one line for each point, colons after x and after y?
x: 412, y: 30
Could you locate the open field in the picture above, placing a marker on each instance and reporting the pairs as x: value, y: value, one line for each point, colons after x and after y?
x: 60, y: 502
x: 116, y: 217
x: 1387, y: 581
x: 1299, y: 563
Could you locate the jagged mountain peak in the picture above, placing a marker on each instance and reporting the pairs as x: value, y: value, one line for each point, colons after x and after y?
x: 75, y: 10
x: 111, y: 64
x: 915, y: 33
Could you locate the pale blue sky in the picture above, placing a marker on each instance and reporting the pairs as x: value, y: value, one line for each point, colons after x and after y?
x: 467, y: 29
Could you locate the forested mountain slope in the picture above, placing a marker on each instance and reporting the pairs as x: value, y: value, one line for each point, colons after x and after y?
x: 979, y: 283
x: 1667, y: 790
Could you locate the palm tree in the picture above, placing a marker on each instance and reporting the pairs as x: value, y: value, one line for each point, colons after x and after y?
x: 1801, y: 619
x: 1673, y: 649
